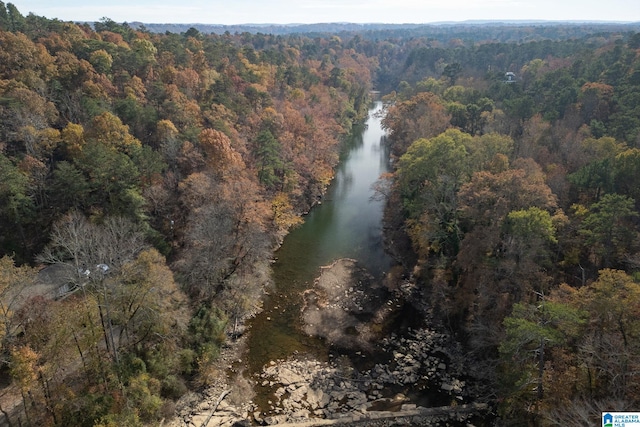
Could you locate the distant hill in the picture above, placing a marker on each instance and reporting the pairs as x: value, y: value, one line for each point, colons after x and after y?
x: 431, y: 29
x: 468, y: 31
x: 278, y: 29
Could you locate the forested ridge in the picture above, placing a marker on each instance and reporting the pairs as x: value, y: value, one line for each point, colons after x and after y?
x: 153, y: 175
x: 519, y: 195
x: 146, y: 180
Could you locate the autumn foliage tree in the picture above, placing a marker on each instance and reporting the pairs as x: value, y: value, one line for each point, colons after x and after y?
x: 423, y: 116
x: 14, y: 283
x: 584, y: 343
x: 181, y: 160
x: 548, y: 199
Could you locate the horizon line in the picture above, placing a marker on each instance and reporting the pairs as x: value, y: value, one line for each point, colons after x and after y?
x: 434, y: 23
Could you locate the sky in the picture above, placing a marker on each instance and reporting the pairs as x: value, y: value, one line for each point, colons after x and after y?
x: 229, y: 12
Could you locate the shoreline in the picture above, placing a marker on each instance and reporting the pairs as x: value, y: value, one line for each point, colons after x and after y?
x: 373, y: 374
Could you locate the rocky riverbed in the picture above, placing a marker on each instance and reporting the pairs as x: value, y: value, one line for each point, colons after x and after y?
x: 304, y: 389
x: 413, y: 378
x: 346, y: 306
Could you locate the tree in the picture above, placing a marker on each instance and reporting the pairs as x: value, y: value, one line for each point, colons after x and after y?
x: 132, y: 304
x: 170, y: 145
x: 596, y: 168
x: 532, y: 330
x: 80, y: 245
x: 437, y: 165
x: 73, y: 139
x: 16, y: 20
x: 24, y: 369
x: 140, y: 118
x: 182, y: 111
x: 40, y: 143
x: 423, y: 116
x: 70, y: 189
x: 452, y: 72
x: 148, y: 303
x: 488, y: 197
x: 284, y: 216
x: 520, y: 108
x: 144, y: 393
x: 528, y: 230
x: 101, y: 61
x: 225, y: 237
x: 4, y: 18
x: 508, y: 230
x: 488, y: 152
x: 608, y: 230
x: 16, y: 207
x: 24, y: 60
x: 596, y: 368
x: 48, y: 329
x: 91, y: 257
x: 207, y: 331
x: 14, y: 281
x: 429, y: 176
x: 149, y: 164
x: 627, y: 173
x: 458, y: 113
x: 596, y: 101
x: 113, y: 181
x: 110, y: 131
x: 208, y: 257
x: 468, y: 111
x: 219, y: 154
x: 269, y: 164
x: 22, y: 107
x: 143, y: 54
x: 609, y: 347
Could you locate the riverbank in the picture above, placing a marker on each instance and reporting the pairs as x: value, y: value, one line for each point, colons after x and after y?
x: 349, y: 340
x: 371, y: 375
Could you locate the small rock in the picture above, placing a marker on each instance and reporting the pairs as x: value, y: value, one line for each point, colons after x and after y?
x: 446, y: 387
x: 302, y: 413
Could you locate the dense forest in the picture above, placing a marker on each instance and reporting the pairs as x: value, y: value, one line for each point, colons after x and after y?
x: 518, y: 192
x: 147, y: 178
x: 153, y: 176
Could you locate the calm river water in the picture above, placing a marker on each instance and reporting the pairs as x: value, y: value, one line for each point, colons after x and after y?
x: 348, y: 224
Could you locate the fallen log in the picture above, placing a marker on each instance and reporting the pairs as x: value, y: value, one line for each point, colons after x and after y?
x: 215, y: 408
x: 368, y: 417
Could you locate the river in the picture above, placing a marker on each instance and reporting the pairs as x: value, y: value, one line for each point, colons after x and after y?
x: 348, y: 224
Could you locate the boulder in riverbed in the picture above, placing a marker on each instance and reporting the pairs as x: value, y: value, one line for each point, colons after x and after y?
x: 343, y: 305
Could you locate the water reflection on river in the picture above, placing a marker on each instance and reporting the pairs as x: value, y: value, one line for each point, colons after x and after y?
x: 348, y: 223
